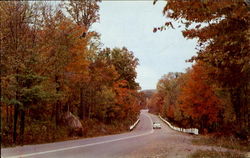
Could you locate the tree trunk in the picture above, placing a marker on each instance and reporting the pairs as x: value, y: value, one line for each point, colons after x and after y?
x: 7, y: 115
x: 16, y: 109
x: 52, y: 113
x: 22, y: 125
x: 89, y: 112
x: 238, y: 101
x: 0, y: 101
x: 82, y: 107
x: 57, y: 113
x: 235, y: 99
x: 246, y: 108
x: 57, y: 106
x: 10, y: 116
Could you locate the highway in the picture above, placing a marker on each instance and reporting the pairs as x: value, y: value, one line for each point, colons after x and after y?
x: 143, y: 141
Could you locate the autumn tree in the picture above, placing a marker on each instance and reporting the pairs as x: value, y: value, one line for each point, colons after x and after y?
x: 198, y: 99
x: 169, y: 88
x: 58, y: 50
x: 22, y: 82
x: 222, y: 30
x: 127, y: 102
x: 52, y: 63
x: 165, y: 100
x: 101, y: 79
x: 83, y: 12
x: 125, y: 86
x: 156, y: 102
x: 142, y: 99
x: 125, y: 64
x: 107, y: 96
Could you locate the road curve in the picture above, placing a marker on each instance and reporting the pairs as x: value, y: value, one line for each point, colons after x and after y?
x: 142, y: 142
x: 105, y: 146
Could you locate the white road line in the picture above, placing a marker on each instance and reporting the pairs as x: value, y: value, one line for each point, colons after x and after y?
x: 86, y: 145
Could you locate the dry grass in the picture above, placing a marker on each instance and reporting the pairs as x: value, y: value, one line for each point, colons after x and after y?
x: 215, y: 154
x: 227, y: 142
x: 230, y: 142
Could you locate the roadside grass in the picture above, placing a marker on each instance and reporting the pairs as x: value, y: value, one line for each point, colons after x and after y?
x: 240, y: 147
x: 215, y: 154
x: 36, y: 133
x: 93, y: 128
x: 46, y: 132
x: 226, y: 142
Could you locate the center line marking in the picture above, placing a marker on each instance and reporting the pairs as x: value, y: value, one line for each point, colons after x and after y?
x: 86, y: 145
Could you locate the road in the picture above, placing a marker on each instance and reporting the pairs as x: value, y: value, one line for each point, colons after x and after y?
x: 143, y: 141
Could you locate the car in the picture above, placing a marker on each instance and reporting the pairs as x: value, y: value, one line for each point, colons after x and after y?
x: 156, y: 125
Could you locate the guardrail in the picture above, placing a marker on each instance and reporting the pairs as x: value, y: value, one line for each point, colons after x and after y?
x: 133, y: 126
x: 189, y: 130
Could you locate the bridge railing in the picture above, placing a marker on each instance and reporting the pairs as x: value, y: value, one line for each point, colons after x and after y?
x: 189, y: 130
x: 133, y: 126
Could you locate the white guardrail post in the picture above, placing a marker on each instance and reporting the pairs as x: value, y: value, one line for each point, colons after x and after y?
x: 133, y: 126
x: 190, y: 130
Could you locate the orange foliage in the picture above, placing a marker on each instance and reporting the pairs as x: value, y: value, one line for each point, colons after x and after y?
x: 126, y: 98
x: 197, y: 98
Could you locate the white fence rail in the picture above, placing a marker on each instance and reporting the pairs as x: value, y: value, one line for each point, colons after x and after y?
x: 189, y: 130
x: 133, y: 126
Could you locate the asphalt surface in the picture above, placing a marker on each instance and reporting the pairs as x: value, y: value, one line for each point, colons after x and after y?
x: 143, y: 141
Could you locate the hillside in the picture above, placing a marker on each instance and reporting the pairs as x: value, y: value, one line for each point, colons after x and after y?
x: 149, y: 92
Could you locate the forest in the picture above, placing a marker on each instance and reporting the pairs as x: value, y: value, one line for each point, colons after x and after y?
x: 57, y: 81
x: 214, y: 94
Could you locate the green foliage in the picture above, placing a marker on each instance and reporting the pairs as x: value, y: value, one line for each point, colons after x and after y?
x: 105, y: 100
x: 168, y: 91
x: 124, y: 63
x: 10, y: 102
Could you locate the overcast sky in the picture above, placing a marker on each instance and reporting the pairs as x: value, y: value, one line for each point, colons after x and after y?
x: 130, y: 24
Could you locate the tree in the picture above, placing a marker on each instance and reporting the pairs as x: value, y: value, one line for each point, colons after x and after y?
x: 51, y: 63
x: 23, y: 82
x: 198, y: 99
x: 106, y: 96
x: 124, y: 63
x: 101, y: 79
x: 127, y: 102
x: 168, y: 86
x: 156, y: 103
x: 222, y: 29
x: 83, y: 12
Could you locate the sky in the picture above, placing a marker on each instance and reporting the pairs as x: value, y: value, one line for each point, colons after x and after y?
x: 130, y: 24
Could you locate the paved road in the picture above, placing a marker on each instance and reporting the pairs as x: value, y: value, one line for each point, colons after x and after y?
x: 143, y: 141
